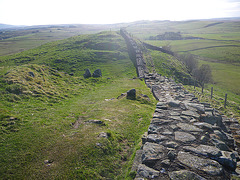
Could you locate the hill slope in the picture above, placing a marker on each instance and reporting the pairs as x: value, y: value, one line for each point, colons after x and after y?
x: 56, y: 124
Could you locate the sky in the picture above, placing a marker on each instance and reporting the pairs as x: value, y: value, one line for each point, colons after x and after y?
x: 43, y: 12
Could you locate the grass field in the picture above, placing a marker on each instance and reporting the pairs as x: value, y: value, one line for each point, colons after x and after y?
x: 20, y: 40
x: 220, y: 47
x: 47, y: 129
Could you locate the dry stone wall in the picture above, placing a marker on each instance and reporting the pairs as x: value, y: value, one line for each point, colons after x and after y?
x: 135, y: 53
x: 186, y: 139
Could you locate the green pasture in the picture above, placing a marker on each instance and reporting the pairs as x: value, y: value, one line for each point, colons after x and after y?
x: 41, y: 35
x: 47, y: 109
x: 226, y: 76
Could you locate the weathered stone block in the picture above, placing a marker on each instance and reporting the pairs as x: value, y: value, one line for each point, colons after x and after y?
x: 87, y: 73
x: 147, y: 172
x: 97, y: 73
x: 131, y: 94
x: 209, y: 166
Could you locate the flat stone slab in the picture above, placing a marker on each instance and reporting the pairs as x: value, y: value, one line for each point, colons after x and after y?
x: 152, y: 152
x: 177, y: 118
x: 174, y: 103
x: 209, y: 166
x: 204, y: 125
x: 194, y: 106
x: 184, y: 175
x: 184, y: 137
x: 147, y: 172
x: 137, y: 160
x: 156, y: 138
x: 210, y: 151
x: 174, y: 113
x: 191, y: 113
x: 189, y: 127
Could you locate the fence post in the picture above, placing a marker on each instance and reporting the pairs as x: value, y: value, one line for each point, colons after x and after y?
x: 225, y: 102
x: 211, y: 92
x: 194, y: 84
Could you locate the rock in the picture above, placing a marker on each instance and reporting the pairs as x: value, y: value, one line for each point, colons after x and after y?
x: 122, y: 95
x: 184, y: 137
x: 137, y: 160
x: 184, y: 175
x: 131, y: 94
x: 162, y: 105
x: 166, y: 163
x: 189, y: 127
x: 222, y: 136
x: 154, y: 129
x: 212, y: 119
x: 228, y: 160
x: 190, y: 113
x: 156, y: 138
x: 171, y: 144
x: 166, y: 132
x: 171, y: 155
x: 204, y: 126
x: 97, y: 73
x: 194, y: 106
x: 96, y: 121
x: 147, y: 172
x: 209, y: 166
x: 155, y: 90
x: 227, y: 138
x: 177, y: 118
x: 220, y: 145
x: 31, y: 74
x: 205, y: 150
x: 174, y: 103
x: 87, y: 74
x: 152, y: 152
x: 174, y: 113
x: 103, y: 135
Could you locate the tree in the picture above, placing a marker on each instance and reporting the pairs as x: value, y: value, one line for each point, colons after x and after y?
x: 190, y: 62
x: 203, y: 75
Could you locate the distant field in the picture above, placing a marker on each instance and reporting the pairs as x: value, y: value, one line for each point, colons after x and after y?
x: 41, y: 35
x: 220, y: 47
x: 227, y: 76
x: 226, y: 51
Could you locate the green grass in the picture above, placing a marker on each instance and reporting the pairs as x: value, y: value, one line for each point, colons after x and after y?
x: 45, y: 117
x: 225, y: 76
x: 169, y: 66
x: 46, y: 133
x: 21, y: 40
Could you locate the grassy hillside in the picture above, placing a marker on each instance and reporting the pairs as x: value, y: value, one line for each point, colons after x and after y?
x: 52, y: 119
x: 21, y: 39
x: 219, y: 45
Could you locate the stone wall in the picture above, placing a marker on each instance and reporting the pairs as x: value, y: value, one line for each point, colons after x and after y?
x: 186, y: 139
x: 135, y: 54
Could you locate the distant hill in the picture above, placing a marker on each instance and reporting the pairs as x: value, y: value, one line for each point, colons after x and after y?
x: 8, y: 26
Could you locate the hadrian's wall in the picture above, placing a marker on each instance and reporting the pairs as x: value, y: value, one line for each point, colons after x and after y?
x: 186, y: 139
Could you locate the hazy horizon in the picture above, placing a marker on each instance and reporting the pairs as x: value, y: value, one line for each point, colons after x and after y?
x: 50, y: 12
